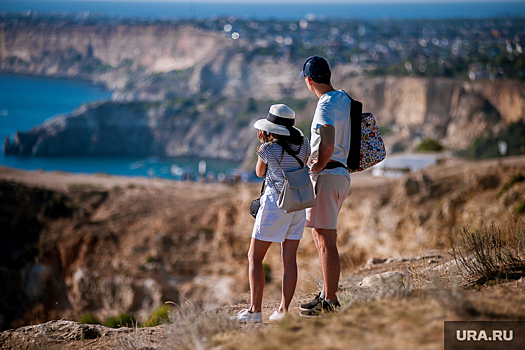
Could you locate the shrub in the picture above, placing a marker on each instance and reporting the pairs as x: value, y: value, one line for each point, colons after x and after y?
x: 429, y: 145
x: 520, y: 209
x: 158, y: 316
x: 89, y: 319
x: 122, y: 320
x: 111, y: 322
x: 515, y: 179
x: 485, y: 147
x: 58, y: 207
x: 490, y: 252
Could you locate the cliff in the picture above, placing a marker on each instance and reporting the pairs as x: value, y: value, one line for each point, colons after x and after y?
x: 185, y: 91
x: 454, y: 112
x: 77, y: 244
x: 89, y: 51
x: 172, y: 128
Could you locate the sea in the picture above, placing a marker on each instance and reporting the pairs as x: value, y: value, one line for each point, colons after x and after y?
x: 294, y: 10
x: 28, y: 101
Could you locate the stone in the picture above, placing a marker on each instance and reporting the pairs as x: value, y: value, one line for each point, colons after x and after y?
x: 392, y: 279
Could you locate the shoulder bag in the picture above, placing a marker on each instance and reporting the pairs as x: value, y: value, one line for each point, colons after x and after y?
x: 297, y: 192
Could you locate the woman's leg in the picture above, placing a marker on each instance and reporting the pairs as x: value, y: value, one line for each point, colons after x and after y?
x: 289, y: 255
x: 256, y: 255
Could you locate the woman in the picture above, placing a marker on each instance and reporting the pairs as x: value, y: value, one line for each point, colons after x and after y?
x: 281, y: 144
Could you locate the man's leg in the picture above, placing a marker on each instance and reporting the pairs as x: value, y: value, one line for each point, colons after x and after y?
x: 326, y: 242
x: 316, y: 241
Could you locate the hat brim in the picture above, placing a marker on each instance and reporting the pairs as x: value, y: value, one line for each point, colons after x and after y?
x: 263, y: 124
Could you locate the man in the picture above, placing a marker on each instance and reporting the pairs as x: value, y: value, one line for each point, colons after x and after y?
x: 330, y: 143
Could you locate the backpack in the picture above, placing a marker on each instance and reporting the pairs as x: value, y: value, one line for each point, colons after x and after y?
x: 366, y: 144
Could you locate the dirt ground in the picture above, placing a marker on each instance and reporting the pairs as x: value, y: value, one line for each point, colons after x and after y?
x: 206, y: 218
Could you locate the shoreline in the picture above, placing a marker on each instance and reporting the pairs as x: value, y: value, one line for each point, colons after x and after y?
x: 61, y: 180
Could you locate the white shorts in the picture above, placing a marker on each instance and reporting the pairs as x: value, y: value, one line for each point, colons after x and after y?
x: 274, y: 225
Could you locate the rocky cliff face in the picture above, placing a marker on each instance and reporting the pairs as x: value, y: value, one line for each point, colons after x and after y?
x: 219, y: 75
x: 451, y: 111
x: 93, y: 247
x: 144, y: 129
x: 454, y: 112
x: 90, y: 50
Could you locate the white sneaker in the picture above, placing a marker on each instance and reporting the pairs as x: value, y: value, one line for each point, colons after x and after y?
x: 276, y: 316
x: 245, y: 316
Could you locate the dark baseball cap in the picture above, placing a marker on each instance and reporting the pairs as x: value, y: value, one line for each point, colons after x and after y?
x: 315, y: 67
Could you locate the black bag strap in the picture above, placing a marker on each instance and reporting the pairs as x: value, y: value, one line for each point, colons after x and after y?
x: 301, y: 163
x: 262, y: 187
x: 354, y: 153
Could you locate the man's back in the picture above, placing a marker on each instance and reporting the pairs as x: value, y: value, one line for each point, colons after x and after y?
x: 333, y: 108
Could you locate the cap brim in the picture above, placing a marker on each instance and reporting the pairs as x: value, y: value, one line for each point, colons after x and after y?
x: 301, y: 75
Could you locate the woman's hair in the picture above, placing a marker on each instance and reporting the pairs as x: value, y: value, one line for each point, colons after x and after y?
x: 286, y: 142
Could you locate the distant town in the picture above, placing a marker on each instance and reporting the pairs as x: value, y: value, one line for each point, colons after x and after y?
x: 484, y: 49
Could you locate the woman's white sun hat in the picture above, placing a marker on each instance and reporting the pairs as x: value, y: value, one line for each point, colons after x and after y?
x: 279, y: 119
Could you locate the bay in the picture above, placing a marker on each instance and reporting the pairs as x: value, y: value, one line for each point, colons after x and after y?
x: 28, y: 101
x: 292, y: 10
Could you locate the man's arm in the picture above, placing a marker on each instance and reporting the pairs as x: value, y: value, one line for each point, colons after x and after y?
x: 326, y: 147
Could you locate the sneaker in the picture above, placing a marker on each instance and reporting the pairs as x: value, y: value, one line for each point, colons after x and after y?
x: 245, y: 316
x: 312, y: 303
x: 276, y: 316
x: 321, y: 309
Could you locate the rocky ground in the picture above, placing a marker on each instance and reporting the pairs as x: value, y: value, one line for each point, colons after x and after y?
x: 105, y: 245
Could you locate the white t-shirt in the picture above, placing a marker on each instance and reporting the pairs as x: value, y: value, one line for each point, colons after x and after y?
x: 333, y: 108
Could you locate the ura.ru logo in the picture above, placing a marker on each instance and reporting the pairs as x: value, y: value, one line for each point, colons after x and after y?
x: 495, y: 335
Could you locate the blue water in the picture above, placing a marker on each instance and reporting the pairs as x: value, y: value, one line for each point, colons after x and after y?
x: 262, y: 10
x: 27, y: 101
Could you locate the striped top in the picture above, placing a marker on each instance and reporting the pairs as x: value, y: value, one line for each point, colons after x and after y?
x: 287, y: 162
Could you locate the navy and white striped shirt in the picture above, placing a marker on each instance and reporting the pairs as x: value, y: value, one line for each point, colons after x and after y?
x: 287, y: 162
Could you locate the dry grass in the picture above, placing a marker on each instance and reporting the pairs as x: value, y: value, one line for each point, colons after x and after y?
x: 193, y: 328
x: 490, y: 252
x: 377, y: 323
x: 406, y: 314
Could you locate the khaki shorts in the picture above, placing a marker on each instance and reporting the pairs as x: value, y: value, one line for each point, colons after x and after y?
x: 330, y: 192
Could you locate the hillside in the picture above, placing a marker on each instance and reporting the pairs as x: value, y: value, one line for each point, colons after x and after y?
x: 184, y: 89
x: 453, y: 112
x: 104, y: 245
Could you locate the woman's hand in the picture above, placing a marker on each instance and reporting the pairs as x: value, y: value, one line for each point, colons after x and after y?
x: 262, y: 136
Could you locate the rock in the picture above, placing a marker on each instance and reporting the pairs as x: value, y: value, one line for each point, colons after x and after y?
x: 64, y: 334
x: 410, y: 186
x: 391, y: 279
x: 60, y: 331
x: 487, y: 181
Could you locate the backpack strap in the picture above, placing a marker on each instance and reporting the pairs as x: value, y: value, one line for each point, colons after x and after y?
x: 354, y: 153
